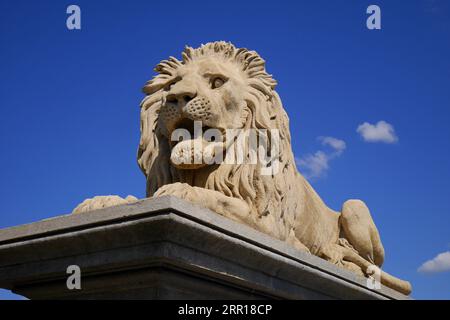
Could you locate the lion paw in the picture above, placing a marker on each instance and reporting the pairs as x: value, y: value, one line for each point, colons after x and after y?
x: 179, y: 190
x: 99, y: 202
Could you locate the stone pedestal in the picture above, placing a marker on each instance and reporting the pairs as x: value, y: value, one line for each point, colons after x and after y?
x: 166, y: 248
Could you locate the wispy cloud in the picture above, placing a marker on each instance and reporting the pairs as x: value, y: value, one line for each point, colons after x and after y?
x: 379, y: 132
x: 337, y: 144
x: 317, y: 164
x: 440, y: 263
x: 313, y: 165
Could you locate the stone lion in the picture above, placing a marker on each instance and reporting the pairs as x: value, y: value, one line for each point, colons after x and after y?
x: 226, y: 87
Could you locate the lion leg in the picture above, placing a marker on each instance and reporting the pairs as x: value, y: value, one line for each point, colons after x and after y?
x: 233, y: 208
x: 385, y: 278
x: 100, y: 202
x: 343, y: 255
x: 295, y: 242
x: 336, y: 253
x: 358, y: 228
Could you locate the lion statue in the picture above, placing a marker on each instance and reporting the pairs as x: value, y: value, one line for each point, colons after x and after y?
x: 223, y: 87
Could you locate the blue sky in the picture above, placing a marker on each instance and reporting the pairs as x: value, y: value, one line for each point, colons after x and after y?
x: 69, y: 121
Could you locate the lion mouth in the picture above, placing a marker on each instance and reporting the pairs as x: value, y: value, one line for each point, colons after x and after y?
x: 189, y: 147
x: 189, y: 125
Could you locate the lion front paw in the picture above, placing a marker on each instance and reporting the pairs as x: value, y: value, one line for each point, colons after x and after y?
x: 180, y: 190
x: 99, y: 202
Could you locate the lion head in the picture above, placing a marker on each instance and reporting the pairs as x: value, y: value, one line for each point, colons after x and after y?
x: 223, y: 87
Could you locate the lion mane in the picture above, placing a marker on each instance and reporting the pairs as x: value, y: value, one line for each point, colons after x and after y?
x: 265, y: 194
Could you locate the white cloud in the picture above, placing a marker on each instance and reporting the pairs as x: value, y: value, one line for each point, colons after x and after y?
x: 336, y: 144
x: 313, y: 165
x: 380, y: 132
x: 440, y: 263
x: 316, y: 165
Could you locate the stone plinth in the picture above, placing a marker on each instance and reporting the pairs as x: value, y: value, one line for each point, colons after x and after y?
x: 166, y: 248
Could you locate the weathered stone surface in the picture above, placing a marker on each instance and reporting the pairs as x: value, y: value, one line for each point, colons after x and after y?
x: 166, y: 248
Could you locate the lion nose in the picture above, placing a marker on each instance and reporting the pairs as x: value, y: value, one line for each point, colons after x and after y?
x: 181, y: 95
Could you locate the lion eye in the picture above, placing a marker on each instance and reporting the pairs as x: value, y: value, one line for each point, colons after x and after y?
x: 217, y: 83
